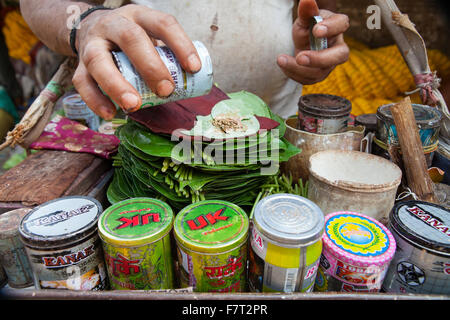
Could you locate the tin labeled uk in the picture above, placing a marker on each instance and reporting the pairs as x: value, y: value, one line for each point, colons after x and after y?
x: 211, y: 241
x: 136, y: 240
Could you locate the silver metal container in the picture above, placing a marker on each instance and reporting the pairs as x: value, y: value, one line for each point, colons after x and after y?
x: 76, y: 109
x: 286, y: 244
x: 187, y: 85
x: 421, y: 264
x: 12, y: 251
x: 63, y: 246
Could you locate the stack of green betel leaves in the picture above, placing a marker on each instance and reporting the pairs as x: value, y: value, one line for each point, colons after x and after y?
x: 219, y: 146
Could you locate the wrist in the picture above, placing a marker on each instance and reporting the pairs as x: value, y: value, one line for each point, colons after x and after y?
x: 84, y: 18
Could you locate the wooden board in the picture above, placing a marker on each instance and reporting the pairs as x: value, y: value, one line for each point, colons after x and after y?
x: 48, y: 175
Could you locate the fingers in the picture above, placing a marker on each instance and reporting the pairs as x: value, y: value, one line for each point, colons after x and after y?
x: 166, y: 28
x: 306, y: 10
x: 98, y: 61
x: 135, y: 43
x: 331, y: 26
x: 302, y: 74
x: 326, y: 58
x: 92, y: 96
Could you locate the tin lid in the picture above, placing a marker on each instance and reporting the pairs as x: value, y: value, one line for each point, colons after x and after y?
x: 10, y: 222
x: 426, y: 116
x: 73, y: 100
x: 325, y: 105
x: 135, y: 222
x: 289, y: 220
x: 357, y: 239
x: 60, y: 222
x: 211, y: 226
x: 368, y: 120
x: 422, y: 223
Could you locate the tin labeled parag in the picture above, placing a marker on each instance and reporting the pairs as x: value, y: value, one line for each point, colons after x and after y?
x: 422, y: 263
x: 356, y: 254
x: 211, y: 241
x: 285, y: 244
x: 187, y: 85
x: 62, y: 244
x: 12, y: 251
x: 136, y: 241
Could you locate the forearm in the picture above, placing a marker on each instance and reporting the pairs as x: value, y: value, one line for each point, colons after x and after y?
x: 49, y: 21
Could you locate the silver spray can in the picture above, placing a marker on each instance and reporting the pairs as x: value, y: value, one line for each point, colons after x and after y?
x: 187, y: 85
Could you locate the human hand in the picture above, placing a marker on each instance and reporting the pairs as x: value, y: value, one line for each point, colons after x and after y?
x: 135, y: 30
x: 307, y: 66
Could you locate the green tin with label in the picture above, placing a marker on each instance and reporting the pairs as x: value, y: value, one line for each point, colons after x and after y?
x: 211, y: 241
x: 136, y: 241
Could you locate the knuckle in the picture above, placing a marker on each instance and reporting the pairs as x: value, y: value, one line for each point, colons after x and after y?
x: 90, y: 54
x: 130, y: 35
x: 167, y: 20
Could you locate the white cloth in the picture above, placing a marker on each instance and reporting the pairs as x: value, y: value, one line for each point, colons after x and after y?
x: 244, y: 38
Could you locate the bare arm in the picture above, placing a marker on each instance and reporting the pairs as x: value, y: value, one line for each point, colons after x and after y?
x: 132, y: 28
x: 48, y: 20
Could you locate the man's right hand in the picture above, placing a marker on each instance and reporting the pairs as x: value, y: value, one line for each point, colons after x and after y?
x: 134, y: 30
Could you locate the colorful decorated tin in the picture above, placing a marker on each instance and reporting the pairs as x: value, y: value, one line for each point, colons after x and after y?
x: 285, y: 244
x: 421, y: 264
x: 211, y: 241
x: 356, y: 254
x: 62, y: 244
x: 12, y: 251
x: 187, y: 85
x: 136, y: 243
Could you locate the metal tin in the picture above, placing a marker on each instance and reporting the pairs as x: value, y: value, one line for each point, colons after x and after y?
x: 357, y: 250
x: 422, y: 262
x: 136, y: 243
x: 427, y: 119
x: 76, y: 109
x: 211, y: 241
x: 12, y: 251
x: 368, y: 120
x: 187, y: 85
x: 62, y: 244
x: 285, y: 244
x: 323, y: 113
x: 316, y: 44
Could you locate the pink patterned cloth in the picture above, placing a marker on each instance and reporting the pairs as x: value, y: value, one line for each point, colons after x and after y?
x: 68, y: 135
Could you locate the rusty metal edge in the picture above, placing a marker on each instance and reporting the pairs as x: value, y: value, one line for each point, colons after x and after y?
x: 32, y: 294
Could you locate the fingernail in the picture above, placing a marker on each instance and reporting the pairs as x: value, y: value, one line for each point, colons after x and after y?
x: 282, y: 61
x: 164, y: 88
x: 129, y: 101
x: 322, y: 30
x: 303, y: 60
x: 194, y: 63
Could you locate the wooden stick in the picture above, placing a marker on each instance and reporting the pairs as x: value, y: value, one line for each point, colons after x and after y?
x: 414, y: 160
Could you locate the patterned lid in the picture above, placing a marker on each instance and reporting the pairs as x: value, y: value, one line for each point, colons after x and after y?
x: 135, y: 222
x: 358, y: 240
x: 211, y: 226
x: 422, y: 223
x: 60, y: 222
x: 289, y: 220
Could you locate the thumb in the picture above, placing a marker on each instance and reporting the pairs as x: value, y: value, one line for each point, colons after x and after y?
x: 306, y: 10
